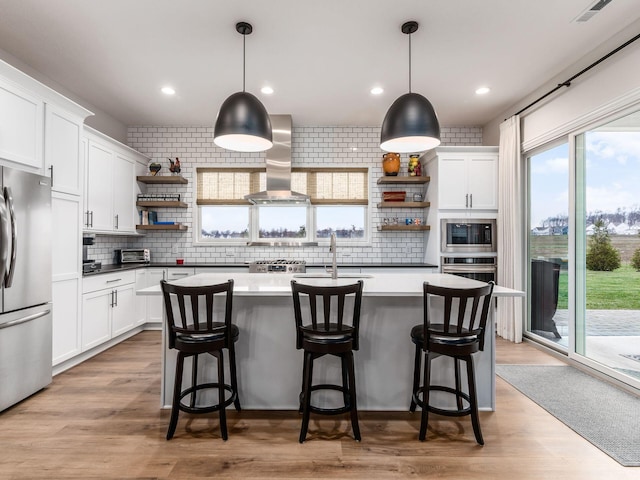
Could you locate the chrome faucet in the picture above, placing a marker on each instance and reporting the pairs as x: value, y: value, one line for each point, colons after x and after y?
x: 334, y: 263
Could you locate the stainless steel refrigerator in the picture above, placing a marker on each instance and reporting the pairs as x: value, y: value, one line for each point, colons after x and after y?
x: 25, y: 278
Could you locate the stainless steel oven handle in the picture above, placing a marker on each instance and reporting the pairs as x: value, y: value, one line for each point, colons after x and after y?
x: 24, y: 319
x: 476, y: 268
x: 8, y: 196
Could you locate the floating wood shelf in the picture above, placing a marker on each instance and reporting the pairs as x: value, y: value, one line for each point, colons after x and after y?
x: 161, y: 203
x: 167, y: 179
x: 403, y: 179
x: 161, y: 227
x: 404, y: 204
x: 403, y: 228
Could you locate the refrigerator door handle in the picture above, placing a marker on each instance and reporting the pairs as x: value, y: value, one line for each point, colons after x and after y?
x: 8, y: 279
x: 4, y: 241
x: 24, y: 319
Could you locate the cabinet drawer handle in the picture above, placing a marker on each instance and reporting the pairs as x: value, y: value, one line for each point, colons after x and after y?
x: 116, y: 280
x: 471, y: 200
x: 466, y: 201
x: 179, y: 274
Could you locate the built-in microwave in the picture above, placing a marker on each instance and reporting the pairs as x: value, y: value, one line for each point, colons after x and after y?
x: 132, y: 255
x: 468, y: 235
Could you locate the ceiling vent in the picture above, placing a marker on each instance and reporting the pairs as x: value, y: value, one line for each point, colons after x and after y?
x: 592, y: 10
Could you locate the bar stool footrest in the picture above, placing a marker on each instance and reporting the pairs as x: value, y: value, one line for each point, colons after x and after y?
x: 329, y: 411
x: 208, y: 408
x: 441, y: 411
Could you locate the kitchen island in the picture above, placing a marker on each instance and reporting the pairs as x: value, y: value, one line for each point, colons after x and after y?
x: 270, y: 367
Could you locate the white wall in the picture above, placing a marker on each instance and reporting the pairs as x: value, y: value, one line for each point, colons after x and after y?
x: 617, y: 79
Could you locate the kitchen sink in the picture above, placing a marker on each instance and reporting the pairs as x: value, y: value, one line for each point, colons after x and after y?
x: 328, y: 275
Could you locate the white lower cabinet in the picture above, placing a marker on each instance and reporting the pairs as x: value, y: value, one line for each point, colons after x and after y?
x: 123, y: 310
x: 66, y: 248
x: 140, y: 301
x: 96, y: 318
x: 107, y: 307
x: 66, y: 320
x: 155, y: 304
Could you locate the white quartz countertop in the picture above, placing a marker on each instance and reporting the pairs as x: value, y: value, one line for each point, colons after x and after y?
x: 378, y: 284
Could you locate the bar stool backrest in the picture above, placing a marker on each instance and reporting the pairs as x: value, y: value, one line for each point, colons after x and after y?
x: 190, y: 301
x: 330, y: 318
x: 454, y: 325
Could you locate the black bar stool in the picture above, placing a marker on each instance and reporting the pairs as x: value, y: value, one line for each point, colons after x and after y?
x: 192, y: 336
x: 328, y: 334
x: 456, y: 337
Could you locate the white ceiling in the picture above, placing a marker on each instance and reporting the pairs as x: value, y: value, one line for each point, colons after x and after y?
x: 321, y: 56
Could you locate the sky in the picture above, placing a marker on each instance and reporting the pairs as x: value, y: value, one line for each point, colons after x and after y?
x: 613, y: 175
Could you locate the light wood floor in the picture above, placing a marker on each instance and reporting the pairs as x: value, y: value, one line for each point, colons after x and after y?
x: 101, y: 420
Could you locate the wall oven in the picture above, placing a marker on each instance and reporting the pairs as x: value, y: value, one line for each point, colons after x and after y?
x: 468, y: 235
x: 483, y: 269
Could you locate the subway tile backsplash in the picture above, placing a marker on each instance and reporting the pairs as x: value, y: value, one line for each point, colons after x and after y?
x: 311, y: 147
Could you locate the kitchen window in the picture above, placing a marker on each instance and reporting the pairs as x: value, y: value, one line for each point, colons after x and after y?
x: 339, y: 200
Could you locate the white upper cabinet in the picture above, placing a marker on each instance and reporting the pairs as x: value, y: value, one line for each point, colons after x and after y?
x: 99, y: 197
x: 466, y: 178
x: 110, y: 186
x: 124, y: 211
x: 40, y: 128
x: 63, y: 161
x: 21, y: 120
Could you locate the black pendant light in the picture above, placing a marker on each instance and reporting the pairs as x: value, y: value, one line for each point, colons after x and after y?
x: 411, y: 124
x: 243, y: 124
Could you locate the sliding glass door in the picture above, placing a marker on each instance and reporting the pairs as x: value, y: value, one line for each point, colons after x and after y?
x: 548, y: 318
x: 584, y: 247
x: 607, y: 324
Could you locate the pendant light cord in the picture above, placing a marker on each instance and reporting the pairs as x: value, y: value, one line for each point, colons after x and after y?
x: 244, y: 60
x: 409, y: 63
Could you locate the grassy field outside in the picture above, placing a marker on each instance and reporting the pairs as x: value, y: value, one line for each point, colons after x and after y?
x: 617, y: 290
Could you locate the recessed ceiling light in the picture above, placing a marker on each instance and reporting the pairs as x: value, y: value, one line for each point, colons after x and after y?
x: 483, y: 90
x: 267, y: 90
x: 377, y: 91
x: 168, y: 91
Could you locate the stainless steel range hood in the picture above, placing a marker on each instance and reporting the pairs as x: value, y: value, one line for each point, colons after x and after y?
x: 279, y: 167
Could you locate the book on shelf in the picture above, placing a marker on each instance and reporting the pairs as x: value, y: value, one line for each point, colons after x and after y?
x: 148, y: 217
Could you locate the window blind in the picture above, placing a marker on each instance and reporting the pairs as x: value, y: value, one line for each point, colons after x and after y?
x: 325, y: 186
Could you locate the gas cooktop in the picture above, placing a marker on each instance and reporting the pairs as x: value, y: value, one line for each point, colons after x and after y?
x: 278, y: 266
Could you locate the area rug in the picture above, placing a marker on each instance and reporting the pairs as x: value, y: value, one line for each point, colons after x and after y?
x: 604, y: 415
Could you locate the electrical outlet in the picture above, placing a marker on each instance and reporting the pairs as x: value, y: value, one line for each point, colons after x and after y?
x: 174, y: 248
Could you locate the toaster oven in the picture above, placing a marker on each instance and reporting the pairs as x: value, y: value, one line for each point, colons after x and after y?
x: 132, y: 255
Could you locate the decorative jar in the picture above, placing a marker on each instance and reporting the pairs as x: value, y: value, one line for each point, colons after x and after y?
x: 415, y: 169
x: 391, y: 163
